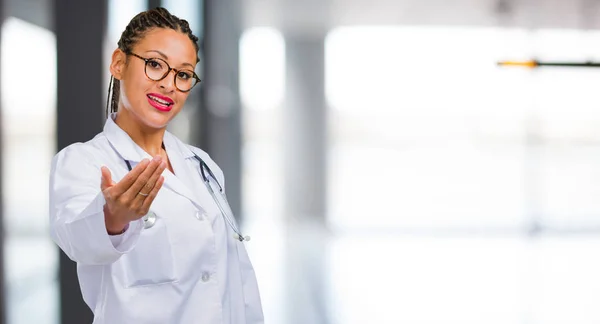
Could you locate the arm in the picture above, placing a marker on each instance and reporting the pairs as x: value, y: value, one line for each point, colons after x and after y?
x: 77, y: 219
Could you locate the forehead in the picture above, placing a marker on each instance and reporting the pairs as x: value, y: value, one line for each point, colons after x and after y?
x: 177, y: 46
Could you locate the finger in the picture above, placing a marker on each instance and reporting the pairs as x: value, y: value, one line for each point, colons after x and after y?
x: 148, y: 201
x: 153, y: 178
x: 106, y: 179
x: 122, y: 186
x: 142, y: 179
x: 144, y: 192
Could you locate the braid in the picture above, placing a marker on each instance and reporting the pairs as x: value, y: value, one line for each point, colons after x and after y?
x: 135, y: 30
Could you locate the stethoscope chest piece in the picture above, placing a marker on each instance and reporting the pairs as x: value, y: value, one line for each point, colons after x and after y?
x: 149, y: 220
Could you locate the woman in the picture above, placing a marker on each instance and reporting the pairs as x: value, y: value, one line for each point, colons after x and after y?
x: 131, y: 206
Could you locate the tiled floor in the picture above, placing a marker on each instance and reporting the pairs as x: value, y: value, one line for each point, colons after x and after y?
x: 32, y: 288
x: 363, y: 279
x: 309, y: 276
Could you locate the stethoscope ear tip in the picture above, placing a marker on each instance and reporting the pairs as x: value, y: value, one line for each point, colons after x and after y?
x: 241, y: 238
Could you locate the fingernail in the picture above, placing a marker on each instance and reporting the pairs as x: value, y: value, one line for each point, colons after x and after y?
x: 157, y: 158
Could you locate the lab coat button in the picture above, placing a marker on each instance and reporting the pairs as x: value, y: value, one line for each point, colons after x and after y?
x: 199, y: 215
x: 205, y: 276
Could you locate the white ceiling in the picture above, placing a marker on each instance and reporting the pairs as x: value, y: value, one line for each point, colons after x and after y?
x: 314, y: 15
x: 307, y: 16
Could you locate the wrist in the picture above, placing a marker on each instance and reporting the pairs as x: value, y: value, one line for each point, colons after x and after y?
x: 113, y: 232
x: 113, y: 226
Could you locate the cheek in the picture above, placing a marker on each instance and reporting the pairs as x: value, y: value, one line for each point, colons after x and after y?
x: 137, y: 81
x: 181, y: 98
x: 137, y: 92
x: 129, y: 94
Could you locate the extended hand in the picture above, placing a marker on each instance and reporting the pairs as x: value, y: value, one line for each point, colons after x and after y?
x: 130, y: 198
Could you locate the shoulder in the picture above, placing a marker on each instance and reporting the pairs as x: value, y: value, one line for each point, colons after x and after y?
x: 200, y: 152
x: 81, y: 153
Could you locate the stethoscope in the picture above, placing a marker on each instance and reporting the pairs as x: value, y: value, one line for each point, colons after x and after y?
x: 206, y: 173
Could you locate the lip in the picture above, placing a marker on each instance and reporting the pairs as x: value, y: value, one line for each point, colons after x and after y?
x: 159, y: 106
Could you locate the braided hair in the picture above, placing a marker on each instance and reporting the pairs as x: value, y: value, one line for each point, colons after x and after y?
x: 135, y: 30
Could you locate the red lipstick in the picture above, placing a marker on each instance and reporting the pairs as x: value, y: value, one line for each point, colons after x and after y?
x: 160, y: 102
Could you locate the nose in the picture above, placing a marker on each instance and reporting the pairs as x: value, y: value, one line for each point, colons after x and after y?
x: 168, y: 82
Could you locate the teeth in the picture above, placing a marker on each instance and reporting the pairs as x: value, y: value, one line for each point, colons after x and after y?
x: 159, y: 101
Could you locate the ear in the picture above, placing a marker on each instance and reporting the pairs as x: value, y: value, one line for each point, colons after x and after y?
x: 117, y: 65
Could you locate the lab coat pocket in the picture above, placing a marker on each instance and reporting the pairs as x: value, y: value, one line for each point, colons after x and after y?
x: 151, y: 261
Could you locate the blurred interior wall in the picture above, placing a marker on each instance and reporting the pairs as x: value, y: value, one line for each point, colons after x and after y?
x: 80, y: 31
x: 305, y: 131
x: 305, y: 179
x: 36, y: 12
x: 220, y: 129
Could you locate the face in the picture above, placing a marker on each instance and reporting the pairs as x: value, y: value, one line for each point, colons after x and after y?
x: 143, y: 100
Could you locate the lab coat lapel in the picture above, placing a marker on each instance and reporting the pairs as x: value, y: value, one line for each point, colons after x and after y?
x: 122, y: 143
x: 206, y: 200
x: 186, y: 176
x: 175, y: 184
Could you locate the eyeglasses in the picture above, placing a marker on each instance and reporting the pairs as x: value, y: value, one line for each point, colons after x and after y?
x: 157, y: 69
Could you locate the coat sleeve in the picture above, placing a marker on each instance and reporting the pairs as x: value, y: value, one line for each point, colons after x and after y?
x: 77, y: 210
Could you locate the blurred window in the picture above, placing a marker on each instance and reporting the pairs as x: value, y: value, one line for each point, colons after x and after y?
x: 28, y: 82
x: 446, y: 139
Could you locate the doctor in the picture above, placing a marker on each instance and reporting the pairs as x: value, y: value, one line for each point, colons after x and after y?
x: 141, y: 212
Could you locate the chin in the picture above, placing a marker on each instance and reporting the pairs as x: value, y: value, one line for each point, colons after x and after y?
x: 157, y: 120
x: 159, y: 123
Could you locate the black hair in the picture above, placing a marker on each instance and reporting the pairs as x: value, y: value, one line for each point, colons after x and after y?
x: 135, y: 30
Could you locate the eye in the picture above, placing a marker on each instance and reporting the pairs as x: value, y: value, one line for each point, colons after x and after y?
x: 155, y: 64
x: 185, y: 75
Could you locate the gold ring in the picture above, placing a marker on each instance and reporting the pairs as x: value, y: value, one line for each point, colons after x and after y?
x: 143, y: 194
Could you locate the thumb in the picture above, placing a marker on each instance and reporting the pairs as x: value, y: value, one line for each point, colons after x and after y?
x: 106, y: 179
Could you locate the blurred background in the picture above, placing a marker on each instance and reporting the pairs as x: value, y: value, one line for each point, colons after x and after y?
x: 386, y: 168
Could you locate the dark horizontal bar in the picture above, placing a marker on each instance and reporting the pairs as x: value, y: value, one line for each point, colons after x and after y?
x: 566, y: 64
x: 534, y: 64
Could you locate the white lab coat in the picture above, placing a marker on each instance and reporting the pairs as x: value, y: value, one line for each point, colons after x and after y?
x: 185, y: 269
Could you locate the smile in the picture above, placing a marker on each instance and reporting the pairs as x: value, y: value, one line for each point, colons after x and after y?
x: 159, y: 102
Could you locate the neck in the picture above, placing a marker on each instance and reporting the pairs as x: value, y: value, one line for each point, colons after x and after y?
x: 148, y: 138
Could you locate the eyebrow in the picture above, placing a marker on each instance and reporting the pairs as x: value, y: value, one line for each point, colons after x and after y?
x: 166, y: 57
